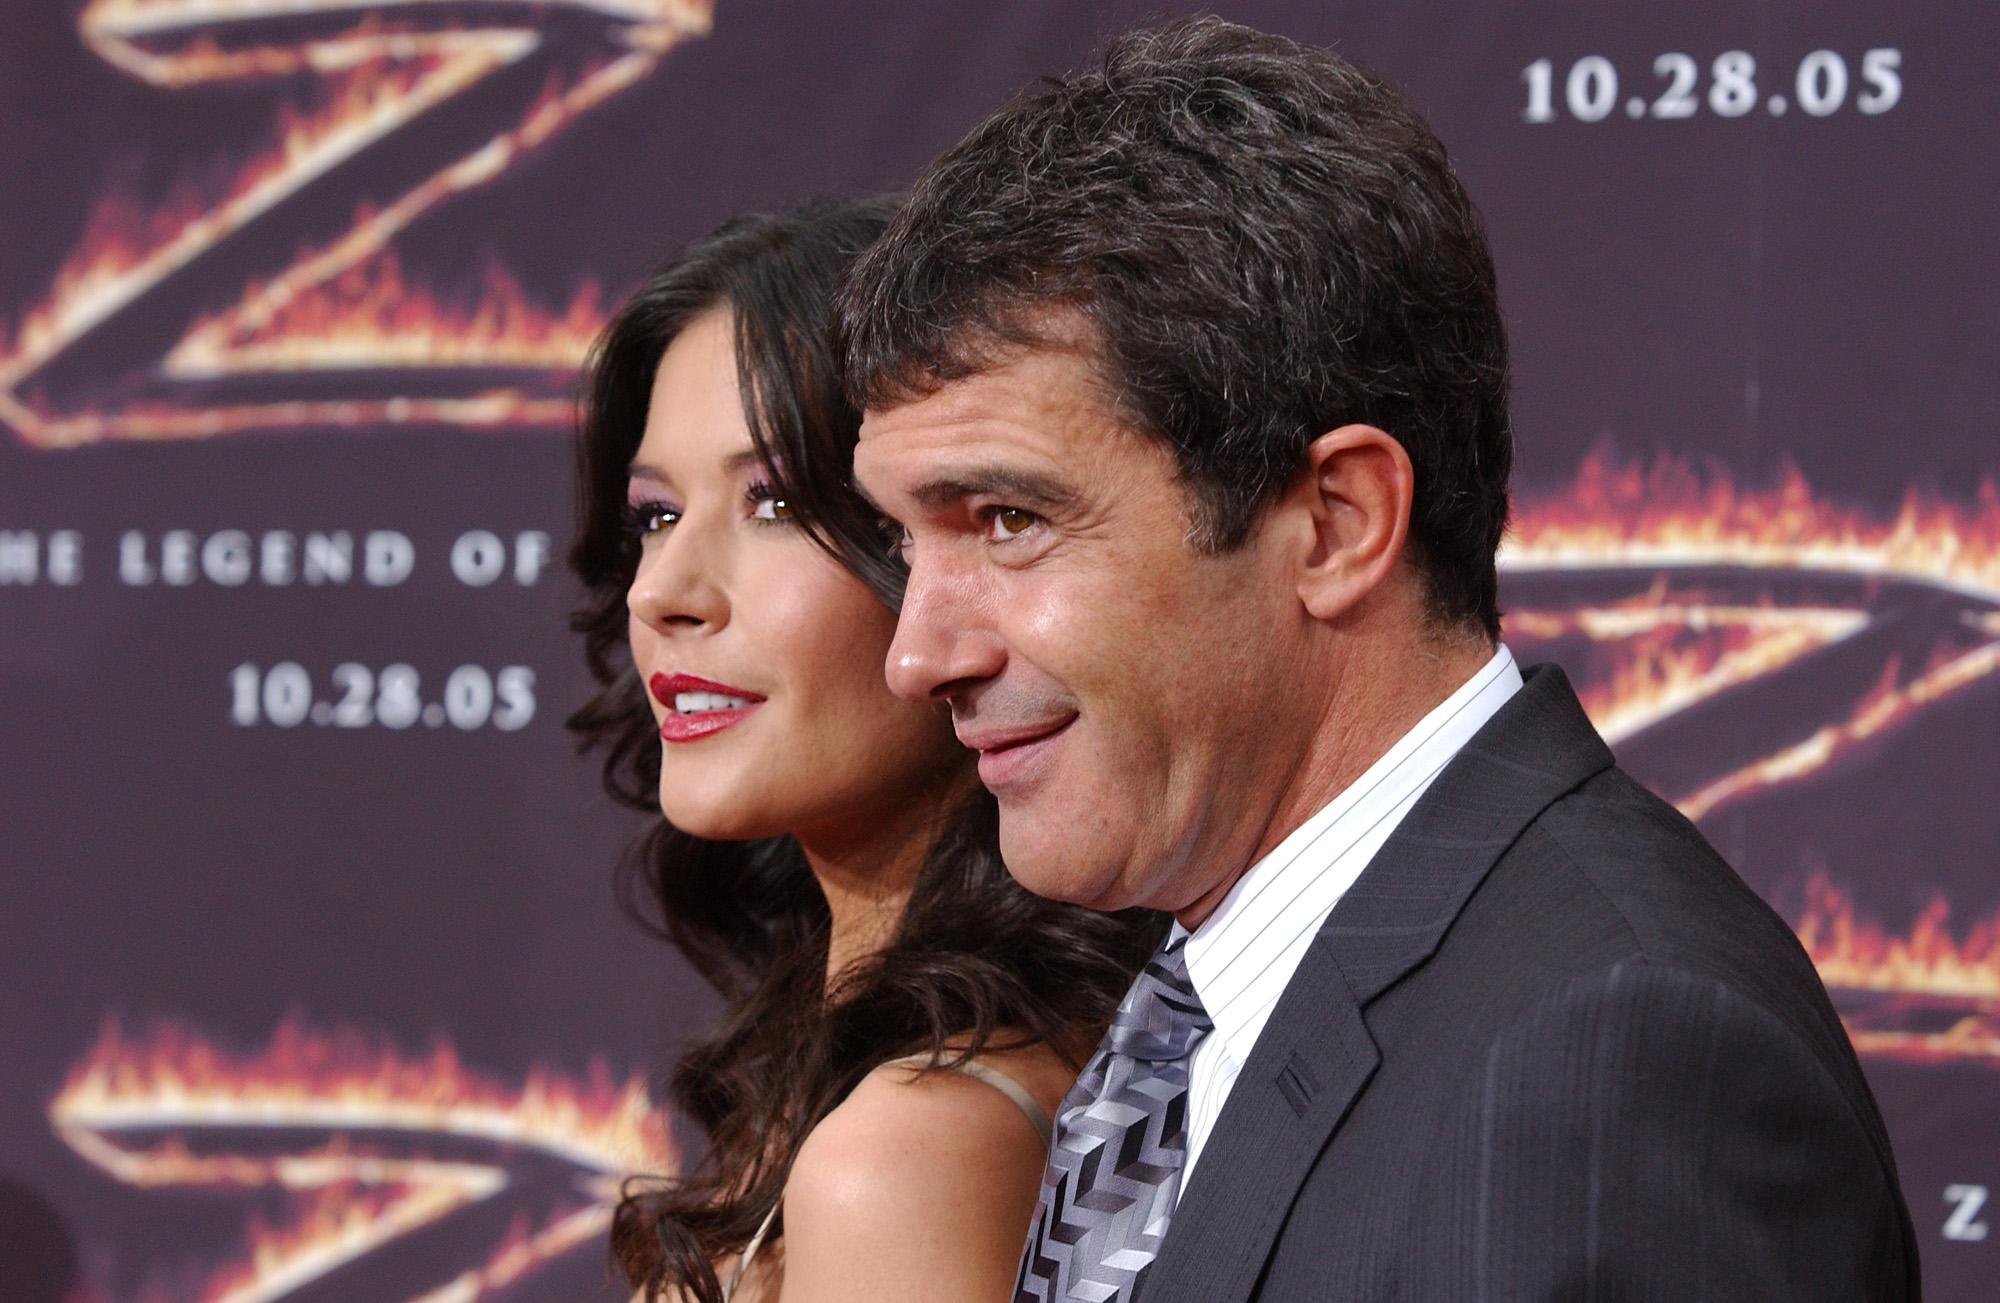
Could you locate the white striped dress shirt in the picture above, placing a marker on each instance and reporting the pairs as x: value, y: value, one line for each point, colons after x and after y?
x: 1242, y: 956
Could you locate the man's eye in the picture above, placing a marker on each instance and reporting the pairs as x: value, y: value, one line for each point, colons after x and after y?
x: 895, y: 539
x: 1004, y: 523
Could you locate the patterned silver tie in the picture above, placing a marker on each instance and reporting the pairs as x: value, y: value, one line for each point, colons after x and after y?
x: 1114, y: 1170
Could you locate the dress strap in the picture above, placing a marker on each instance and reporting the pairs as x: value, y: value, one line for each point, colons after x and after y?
x: 750, y: 1250
x: 1001, y: 1081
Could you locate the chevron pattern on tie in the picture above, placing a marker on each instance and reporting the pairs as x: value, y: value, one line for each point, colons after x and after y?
x: 1114, y: 1170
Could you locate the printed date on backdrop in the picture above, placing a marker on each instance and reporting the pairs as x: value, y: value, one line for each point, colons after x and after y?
x: 355, y: 696
x: 1819, y: 85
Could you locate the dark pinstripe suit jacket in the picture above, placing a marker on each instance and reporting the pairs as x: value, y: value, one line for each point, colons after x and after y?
x: 1549, y: 1046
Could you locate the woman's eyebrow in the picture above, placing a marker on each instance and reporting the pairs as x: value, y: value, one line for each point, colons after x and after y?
x: 735, y: 463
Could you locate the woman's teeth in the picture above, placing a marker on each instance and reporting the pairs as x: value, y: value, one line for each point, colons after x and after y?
x: 694, y: 703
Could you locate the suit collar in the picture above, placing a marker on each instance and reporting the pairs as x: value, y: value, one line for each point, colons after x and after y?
x: 1535, y: 748
x: 1248, y: 948
x: 1315, y: 1054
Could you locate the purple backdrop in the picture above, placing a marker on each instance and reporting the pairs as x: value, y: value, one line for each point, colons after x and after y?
x: 316, y: 987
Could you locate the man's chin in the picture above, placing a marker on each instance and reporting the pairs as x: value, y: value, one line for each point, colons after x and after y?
x: 1052, y: 873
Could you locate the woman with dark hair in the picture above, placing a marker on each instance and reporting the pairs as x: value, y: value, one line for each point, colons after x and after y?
x: 901, y: 1017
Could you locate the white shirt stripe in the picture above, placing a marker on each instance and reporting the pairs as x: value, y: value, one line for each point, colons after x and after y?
x: 1243, y: 955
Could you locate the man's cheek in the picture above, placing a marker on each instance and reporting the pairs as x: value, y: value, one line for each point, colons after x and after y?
x: 1043, y: 616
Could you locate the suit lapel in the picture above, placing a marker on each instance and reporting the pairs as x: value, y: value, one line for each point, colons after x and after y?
x: 1285, y: 1104
x: 1315, y: 1054
x: 1539, y: 746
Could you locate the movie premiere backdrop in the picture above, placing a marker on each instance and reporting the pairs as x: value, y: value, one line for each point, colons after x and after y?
x: 314, y: 983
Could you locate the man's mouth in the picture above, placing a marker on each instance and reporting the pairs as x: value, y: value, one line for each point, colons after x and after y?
x: 1009, y: 757
x: 698, y: 707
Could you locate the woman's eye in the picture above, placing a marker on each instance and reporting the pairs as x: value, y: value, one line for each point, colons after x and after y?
x: 765, y: 504
x: 645, y: 519
x: 895, y: 539
x: 1006, y: 523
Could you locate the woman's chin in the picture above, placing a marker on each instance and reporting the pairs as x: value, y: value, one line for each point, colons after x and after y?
x: 718, y: 821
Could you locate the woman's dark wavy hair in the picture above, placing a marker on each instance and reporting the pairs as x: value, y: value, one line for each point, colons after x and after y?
x: 976, y: 960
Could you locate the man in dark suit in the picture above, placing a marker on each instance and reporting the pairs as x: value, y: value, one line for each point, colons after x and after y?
x: 1186, y: 383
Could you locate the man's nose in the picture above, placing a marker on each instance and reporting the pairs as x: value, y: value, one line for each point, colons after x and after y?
x: 945, y: 639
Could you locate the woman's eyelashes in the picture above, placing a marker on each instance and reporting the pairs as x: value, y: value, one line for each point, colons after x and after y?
x: 766, y: 505
x: 645, y: 518
x: 895, y: 539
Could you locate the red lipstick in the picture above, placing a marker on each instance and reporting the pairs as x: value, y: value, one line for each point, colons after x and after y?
x: 706, y: 716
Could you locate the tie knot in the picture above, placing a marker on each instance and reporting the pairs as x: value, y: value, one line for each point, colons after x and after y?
x: 1161, y: 1016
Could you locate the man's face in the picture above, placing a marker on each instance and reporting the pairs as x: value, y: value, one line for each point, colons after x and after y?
x: 1135, y: 702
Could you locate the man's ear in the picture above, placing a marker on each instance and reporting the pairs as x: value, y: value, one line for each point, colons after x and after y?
x: 1356, y: 491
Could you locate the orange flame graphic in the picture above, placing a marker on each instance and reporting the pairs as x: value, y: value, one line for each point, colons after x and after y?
x: 335, y: 1227
x: 116, y: 263
x: 340, y: 1080
x: 1889, y: 704
x: 1671, y: 653
x: 1957, y: 975
x: 1973, y: 1037
x: 1668, y: 515
x: 369, y: 317
x: 521, y: 1253
x: 136, y: 17
x: 356, y: 1198
x: 172, y: 1163
x: 492, y: 408
x: 385, y: 78
x: 1855, y: 952
x: 255, y: 333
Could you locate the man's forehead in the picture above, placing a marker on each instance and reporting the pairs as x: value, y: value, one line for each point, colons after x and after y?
x: 933, y: 461
x: 1034, y: 396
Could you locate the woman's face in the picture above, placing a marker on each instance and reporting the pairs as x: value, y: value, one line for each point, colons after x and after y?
x: 762, y: 655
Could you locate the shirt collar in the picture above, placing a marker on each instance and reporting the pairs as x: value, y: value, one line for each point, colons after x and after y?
x: 1357, y: 819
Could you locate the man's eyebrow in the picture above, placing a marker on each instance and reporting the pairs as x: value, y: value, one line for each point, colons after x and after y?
x: 1019, y: 487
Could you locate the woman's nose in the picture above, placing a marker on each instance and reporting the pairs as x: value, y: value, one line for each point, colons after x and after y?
x: 678, y: 585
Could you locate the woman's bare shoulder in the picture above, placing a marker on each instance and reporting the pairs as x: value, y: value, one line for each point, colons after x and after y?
x: 924, y: 1177
x: 905, y: 1126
